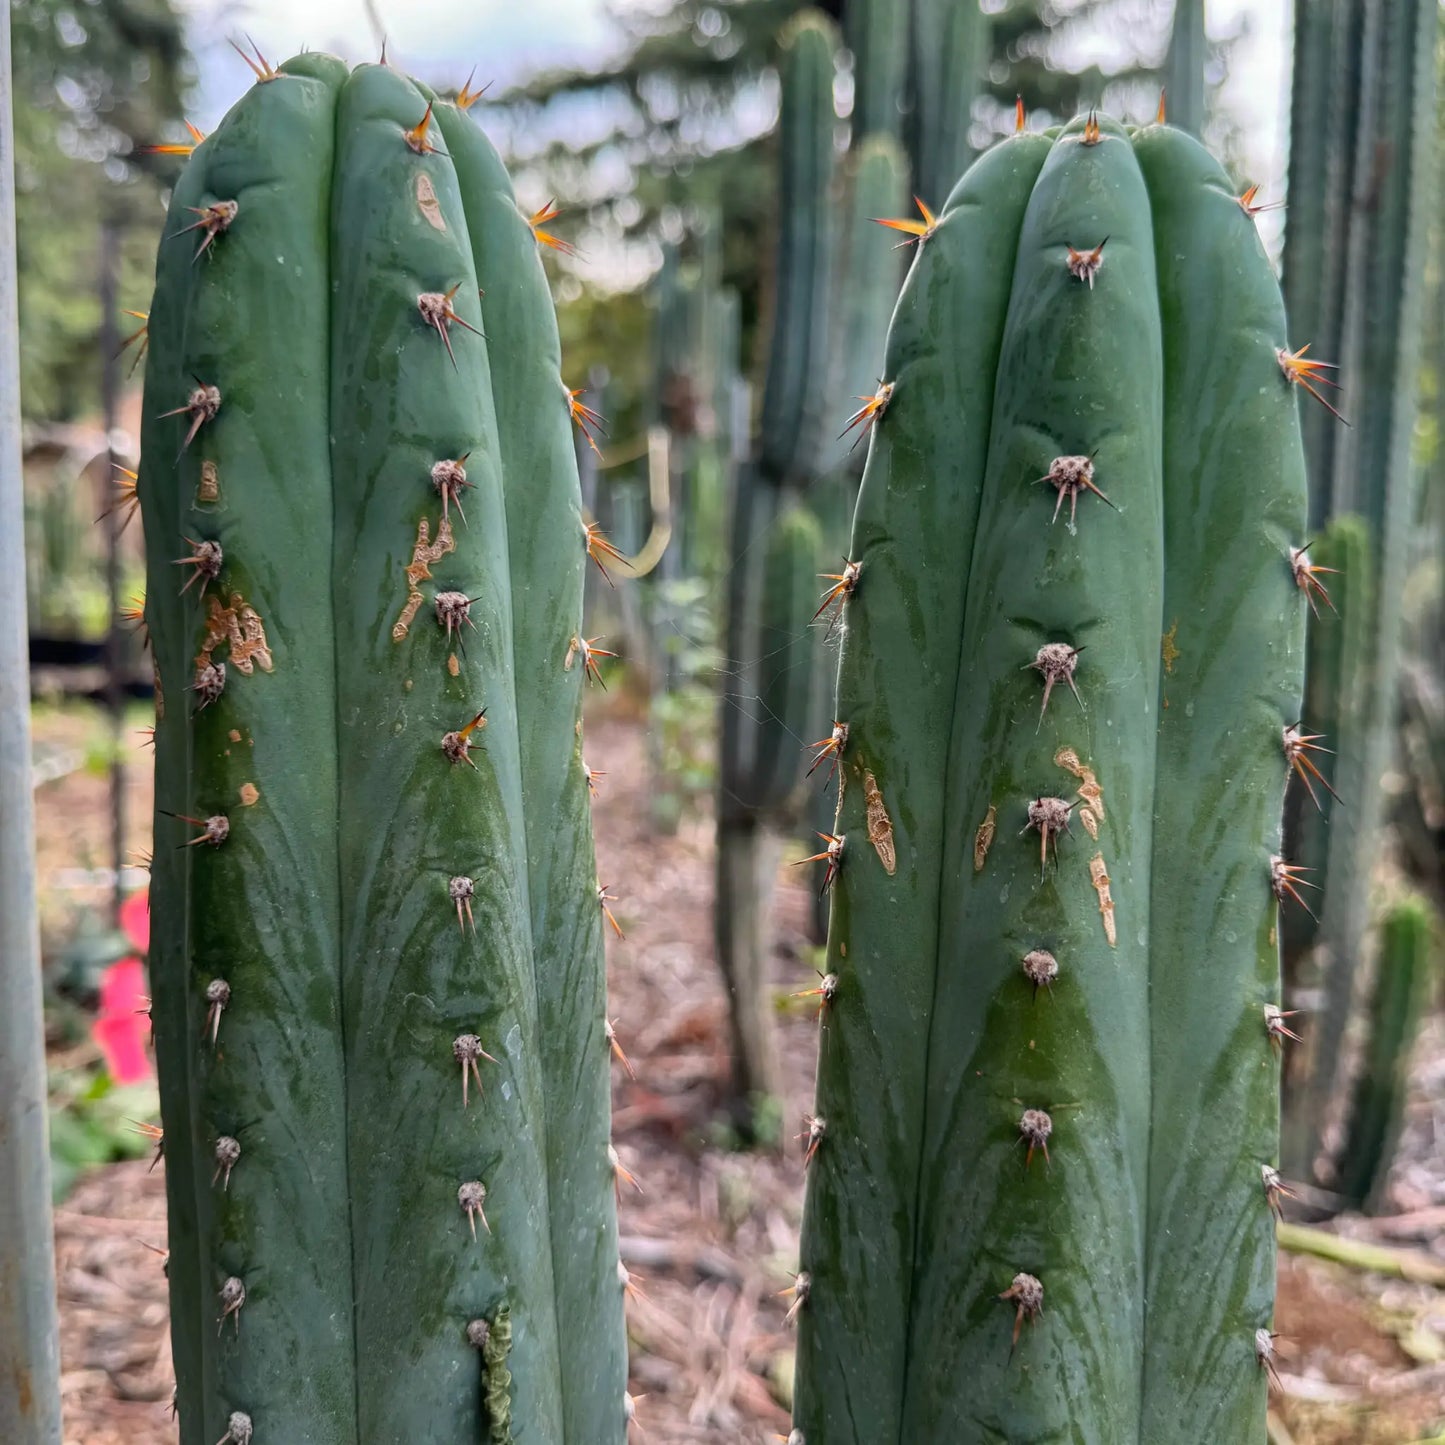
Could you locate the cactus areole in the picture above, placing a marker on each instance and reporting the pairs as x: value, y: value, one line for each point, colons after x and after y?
x: 374, y: 864
x: 1049, y: 1071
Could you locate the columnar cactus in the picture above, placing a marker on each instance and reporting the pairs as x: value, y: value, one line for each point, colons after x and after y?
x: 1039, y: 1205
x: 378, y: 981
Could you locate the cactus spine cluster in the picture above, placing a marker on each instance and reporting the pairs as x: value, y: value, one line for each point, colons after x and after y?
x: 1040, y: 1205
x: 377, y: 960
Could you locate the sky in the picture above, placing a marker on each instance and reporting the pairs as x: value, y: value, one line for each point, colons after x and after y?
x: 507, y: 40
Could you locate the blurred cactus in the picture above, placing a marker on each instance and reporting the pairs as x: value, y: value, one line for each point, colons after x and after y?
x: 948, y: 58
x: 1184, y: 67
x: 834, y: 282
x: 1401, y: 993
x: 1362, y: 201
x: 1054, y: 913
x: 374, y: 867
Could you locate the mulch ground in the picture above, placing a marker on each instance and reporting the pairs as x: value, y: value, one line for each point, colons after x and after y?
x: 712, y: 1236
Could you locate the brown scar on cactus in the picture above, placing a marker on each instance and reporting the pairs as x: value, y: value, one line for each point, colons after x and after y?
x: 424, y: 553
x: 830, y: 748
x: 1035, y: 1126
x: 438, y: 313
x: 599, y: 547
x: 208, y: 488
x: 227, y: 1153
x: 915, y: 232
x: 1298, y: 745
x: 1276, y: 1027
x: 1099, y: 877
x: 1275, y: 1190
x: 449, y: 477
x: 1300, y: 370
x: 233, y: 1297
x: 1283, y: 878
x: 206, y: 557
x: 239, y: 626
x: 214, y: 219
x: 1056, y: 661
x: 983, y: 838
x: 427, y: 203
x: 800, y: 1289
x: 540, y: 218
x: 832, y: 853
x: 1051, y: 817
x: 825, y: 993
x: 1027, y: 1294
x: 201, y: 406
x: 460, y: 890
x: 880, y: 826
x: 1265, y: 1352
x: 1084, y: 265
x: 238, y: 1429
x: 590, y: 423
x: 1041, y: 968
x: 869, y: 414
x: 458, y: 746
x: 466, y: 1050
x: 1307, y: 578
x: 471, y: 1196
x: 1091, y: 813
x: 603, y: 899
x: 610, y: 1030
x: 218, y: 997
x: 417, y: 138
x: 815, y: 1127
x: 1168, y: 647
x: 845, y: 583
x: 1070, y: 476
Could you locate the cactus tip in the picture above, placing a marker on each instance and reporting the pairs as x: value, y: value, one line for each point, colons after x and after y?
x: 1265, y: 1352
x: 1092, y: 133
x: 460, y: 890
x: 449, y: 477
x: 1283, y: 878
x: 1161, y: 116
x: 590, y: 653
x: 260, y: 67
x: 616, y: 1047
x: 1251, y: 207
x: 416, y: 136
x: 214, y: 219
x: 1276, y: 1027
x: 831, y: 748
x: 238, y: 1428
x: 438, y: 312
x: 1020, y: 115
x: 466, y: 97
x: 1275, y: 1190
x: 827, y: 989
x: 1056, y: 661
x: 538, y: 219
x: 1307, y: 578
x: 603, y: 899
x: 845, y: 583
x: 1072, y: 476
x: 218, y: 997
x: 201, y: 406
x: 227, y: 1153
x: 801, y: 1290
x: 599, y: 547
x: 210, y: 683
x: 233, y: 1297
x: 458, y: 746
x: 621, y: 1172
x: 587, y: 421
x: 815, y: 1126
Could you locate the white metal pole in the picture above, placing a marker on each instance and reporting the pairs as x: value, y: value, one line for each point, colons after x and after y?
x: 29, y: 1333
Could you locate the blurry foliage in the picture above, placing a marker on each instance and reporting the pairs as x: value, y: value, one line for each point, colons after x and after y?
x: 92, y: 1121
x: 92, y: 81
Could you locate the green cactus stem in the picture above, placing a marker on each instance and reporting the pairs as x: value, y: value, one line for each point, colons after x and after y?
x: 374, y: 860
x: 1057, y: 930
x: 1403, y: 984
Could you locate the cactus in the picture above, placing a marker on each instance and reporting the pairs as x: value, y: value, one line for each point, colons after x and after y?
x: 1039, y: 1198
x: 1184, y: 66
x: 1377, y: 208
x: 374, y: 866
x: 833, y: 283
x: 948, y: 57
x: 1404, y: 981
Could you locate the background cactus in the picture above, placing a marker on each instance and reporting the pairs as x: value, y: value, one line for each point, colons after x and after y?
x: 1361, y: 203
x: 792, y: 497
x: 1128, y: 989
x: 368, y: 694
